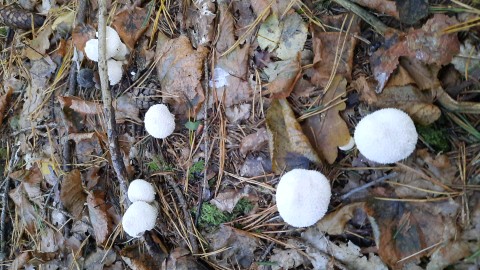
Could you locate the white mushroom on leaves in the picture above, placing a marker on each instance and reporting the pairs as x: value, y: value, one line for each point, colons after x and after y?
x: 386, y: 136
x: 138, y: 218
x: 159, y: 122
x: 303, y: 197
x: 141, y: 190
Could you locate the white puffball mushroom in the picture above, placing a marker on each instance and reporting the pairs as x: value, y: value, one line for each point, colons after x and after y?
x: 113, y: 42
x: 141, y: 190
x: 159, y: 122
x: 348, y: 146
x: 115, y: 71
x: 121, y: 52
x: 303, y: 197
x: 91, y: 49
x: 138, y: 218
x: 386, y: 136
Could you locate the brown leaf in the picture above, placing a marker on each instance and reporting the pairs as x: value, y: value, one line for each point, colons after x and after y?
x: 138, y: 260
x: 39, y: 45
x: 424, y: 76
x: 382, y: 6
x: 79, y: 105
x: 131, y: 24
x: 4, y: 102
x: 72, y: 195
x: 20, y: 261
x: 125, y: 108
x: 325, y: 45
x: 254, y: 142
x: 31, y: 180
x: 289, y: 147
x: 227, y: 199
x: 179, y: 70
x: 407, y: 228
x: 428, y: 45
x: 98, y: 212
x: 334, y: 223
x: 81, y: 34
x: 201, y: 22
x: 282, y: 85
x: 328, y: 131
x: 27, y: 213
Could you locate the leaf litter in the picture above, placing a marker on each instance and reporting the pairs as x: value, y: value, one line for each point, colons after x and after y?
x: 264, y: 87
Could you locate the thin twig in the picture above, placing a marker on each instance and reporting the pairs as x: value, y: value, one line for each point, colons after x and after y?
x: 113, y: 145
x: 378, y: 25
x: 369, y: 184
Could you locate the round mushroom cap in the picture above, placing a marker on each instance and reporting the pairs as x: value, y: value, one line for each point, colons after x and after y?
x: 113, y: 42
x: 115, y: 71
x: 159, y: 122
x: 303, y: 197
x: 386, y: 136
x: 138, y: 218
x: 141, y: 190
x: 91, y: 49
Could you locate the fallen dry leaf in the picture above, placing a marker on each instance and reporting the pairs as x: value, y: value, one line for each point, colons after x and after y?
x: 326, y: 48
x: 406, y: 228
x: 97, y: 210
x: 289, y: 147
x: 88, y: 146
x: 179, y: 70
x: 293, y: 37
x: 138, y: 260
x: 4, y: 99
x: 427, y: 45
x: 254, y: 142
x: 269, y: 33
x: 287, y: 75
x: 181, y: 259
x: 328, y: 131
x: 227, y: 199
x: 449, y: 254
x: 31, y: 180
x: 39, y: 45
x: 334, y: 223
x: 20, y: 261
x: 126, y: 108
x: 72, y: 195
x: 467, y: 59
x: 382, y: 6
x: 79, y: 105
x: 201, y: 22
x: 287, y: 258
x: 27, y: 213
x: 131, y: 24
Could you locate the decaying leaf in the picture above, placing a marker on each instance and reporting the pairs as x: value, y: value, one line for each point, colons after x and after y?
x: 283, y: 79
x: 31, y: 180
x: 382, y: 6
x: 181, y: 259
x: 428, y: 45
x: 269, y: 33
x: 98, y: 212
x: 289, y: 147
x: 87, y: 146
x: 39, y: 45
x: 449, y: 254
x: 411, y: 11
x: 131, y: 24
x: 27, y: 213
x: 226, y: 200
x: 72, y: 195
x: 254, y: 142
x: 81, y: 34
x: 467, y: 59
x: 334, y: 223
x: 403, y: 229
x: 138, y: 260
x: 327, y: 50
x: 287, y: 258
x: 328, y: 131
x: 179, y: 70
x: 322, y: 251
x: 201, y: 22
x: 125, y: 108
x: 4, y: 99
x: 240, y: 246
x: 79, y: 105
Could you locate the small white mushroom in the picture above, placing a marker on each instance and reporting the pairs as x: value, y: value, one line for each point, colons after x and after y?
x: 91, y: 49
x: 115, y: 48
x: 159, y: 122
x: 115, y: 71
x: 121, y: 52
x: 303, y: 197
x: 386, y: 136
x: 348, y: 146
x: 138, y: 218
x: 141, y: 190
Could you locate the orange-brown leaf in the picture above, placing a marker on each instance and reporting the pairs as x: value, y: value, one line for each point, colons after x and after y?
x: 81, y: 34
x: 328, y: 131
x: 79, y: 105
x: 131, y: 24
x: 72, y: 195
x: 4, y: 102
x: 289, y: 147
x: 98, y: 212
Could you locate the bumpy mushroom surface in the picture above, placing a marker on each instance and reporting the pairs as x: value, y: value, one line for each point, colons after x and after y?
x: 115, y: 48
x: 303, y: 197
x: 386, y: 136
x: 159, y: 122
x: 141, y: 190
x: 138, y: 218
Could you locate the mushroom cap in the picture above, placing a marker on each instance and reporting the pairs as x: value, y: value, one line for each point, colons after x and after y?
x: 138, y: 218
x: 115, y: 71
x: 386, y: 136
x: 91, y: 49
x: 121, y: 52
x: 159, y: 122
x: 113, y: 42
x: 303, y: 197
x: 141, y: 190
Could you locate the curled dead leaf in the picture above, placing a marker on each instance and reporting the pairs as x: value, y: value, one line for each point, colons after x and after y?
x: 98, y: 212
x: 72, y: 195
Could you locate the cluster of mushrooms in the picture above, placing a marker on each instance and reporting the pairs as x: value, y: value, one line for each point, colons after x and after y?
x: 302, y: 196
x: 385, y: 136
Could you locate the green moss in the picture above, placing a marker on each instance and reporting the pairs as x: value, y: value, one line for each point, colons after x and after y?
x: 157, y: 165
x: 197, y: 167
x: 434, y: 137
x: 211, y: 216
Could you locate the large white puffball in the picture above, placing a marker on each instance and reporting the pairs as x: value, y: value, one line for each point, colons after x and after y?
x: 115, y: 71
x: 141, y: 190
x: 386, y: 136
x: 91, y: 49
x: 138, y: 218
x: 159, y: 122
x: 303, y: 197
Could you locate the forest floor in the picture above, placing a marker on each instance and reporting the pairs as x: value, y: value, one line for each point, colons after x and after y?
x: 258, y: 88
